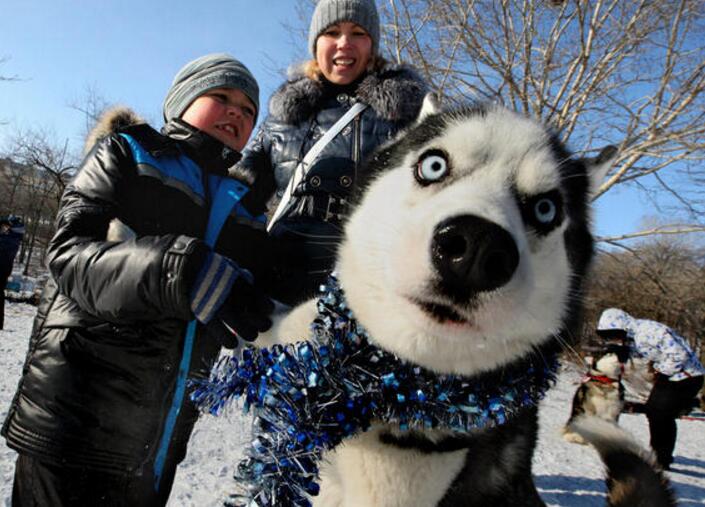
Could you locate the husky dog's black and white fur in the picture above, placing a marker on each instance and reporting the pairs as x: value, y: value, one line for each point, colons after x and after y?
x: 465, y: 252
x: 600, y: 394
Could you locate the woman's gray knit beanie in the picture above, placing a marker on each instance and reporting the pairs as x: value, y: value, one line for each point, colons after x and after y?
x: 217, y: 70
x: 329, y: 12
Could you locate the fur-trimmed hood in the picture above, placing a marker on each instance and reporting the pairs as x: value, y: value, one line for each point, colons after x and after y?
x: 112, y: 120
x: 394, y: 92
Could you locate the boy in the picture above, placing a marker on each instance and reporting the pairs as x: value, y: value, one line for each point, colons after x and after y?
x: 101, y: 415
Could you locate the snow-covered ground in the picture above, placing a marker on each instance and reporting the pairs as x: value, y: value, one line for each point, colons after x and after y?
x: 566, y: 474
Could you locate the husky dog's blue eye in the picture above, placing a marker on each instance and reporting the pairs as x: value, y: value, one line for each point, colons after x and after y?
x: 431, y: 167
x: 545, y: 210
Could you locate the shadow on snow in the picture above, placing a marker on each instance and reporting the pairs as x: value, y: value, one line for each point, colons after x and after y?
x: 584, y: 492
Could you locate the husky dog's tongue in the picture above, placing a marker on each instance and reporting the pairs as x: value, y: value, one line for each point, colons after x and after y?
x: 309, y: 396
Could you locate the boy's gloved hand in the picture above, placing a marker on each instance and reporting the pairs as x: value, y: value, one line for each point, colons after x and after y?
x: 225, y: 299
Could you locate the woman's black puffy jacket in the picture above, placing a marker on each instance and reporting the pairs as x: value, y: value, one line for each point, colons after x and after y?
x: 300, y: 112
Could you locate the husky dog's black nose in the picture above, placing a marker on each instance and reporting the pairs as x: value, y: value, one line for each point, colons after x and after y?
x: 472, y: 255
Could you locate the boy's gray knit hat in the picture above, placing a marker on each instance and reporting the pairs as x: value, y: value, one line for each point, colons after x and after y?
x: 329, y: 12
x: 217, y: 70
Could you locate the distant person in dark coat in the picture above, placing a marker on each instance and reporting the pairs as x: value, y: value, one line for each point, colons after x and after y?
x: 678, y: 374
x: 11, y: 232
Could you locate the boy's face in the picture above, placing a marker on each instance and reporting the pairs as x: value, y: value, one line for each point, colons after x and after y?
x: 224, y: 113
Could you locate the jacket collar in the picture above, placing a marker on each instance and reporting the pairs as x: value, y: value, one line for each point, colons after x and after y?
x: 395, y: 93
x: 208, y: 152
x: 177, y: 137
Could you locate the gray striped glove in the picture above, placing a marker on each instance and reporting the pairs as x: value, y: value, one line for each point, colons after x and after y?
x: 225, y: 299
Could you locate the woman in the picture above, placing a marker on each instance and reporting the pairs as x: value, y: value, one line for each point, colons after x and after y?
x: 346, y: 69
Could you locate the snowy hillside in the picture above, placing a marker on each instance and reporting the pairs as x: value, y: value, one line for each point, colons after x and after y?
x: 566, y: 474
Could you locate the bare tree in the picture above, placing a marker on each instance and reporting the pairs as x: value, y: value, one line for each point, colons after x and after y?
x: 39, y: 170
x: 92, y: 105
x: 624, y: 72
x: 10, y: 184
x: 659, y: 279
x: 37, y: 150
x: 34, y: 173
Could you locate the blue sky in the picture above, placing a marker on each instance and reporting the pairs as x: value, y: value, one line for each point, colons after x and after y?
x: 129, y: 50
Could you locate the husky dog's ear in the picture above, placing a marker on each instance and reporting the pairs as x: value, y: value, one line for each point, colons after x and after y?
x: 599, y: 166
x: 430, y: 106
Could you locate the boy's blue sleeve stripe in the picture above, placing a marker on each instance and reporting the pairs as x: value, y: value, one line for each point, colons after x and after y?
x: 180, y: 172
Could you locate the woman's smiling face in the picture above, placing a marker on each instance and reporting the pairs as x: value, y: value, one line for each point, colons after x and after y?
x: 343, y: 51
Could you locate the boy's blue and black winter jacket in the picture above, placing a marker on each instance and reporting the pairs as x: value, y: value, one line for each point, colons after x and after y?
x: 103, y: 357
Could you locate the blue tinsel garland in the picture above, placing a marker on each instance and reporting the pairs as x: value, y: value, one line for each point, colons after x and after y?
x: 309, y: 396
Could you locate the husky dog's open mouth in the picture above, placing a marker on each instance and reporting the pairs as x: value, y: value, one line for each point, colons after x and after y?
x: 443, y: 314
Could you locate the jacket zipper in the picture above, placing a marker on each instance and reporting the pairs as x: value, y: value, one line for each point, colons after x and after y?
x: 356, y: 144
x: 159, y: 452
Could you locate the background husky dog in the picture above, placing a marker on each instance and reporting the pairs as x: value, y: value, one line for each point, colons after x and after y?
x: 465, y: 253
x: 601, y: 393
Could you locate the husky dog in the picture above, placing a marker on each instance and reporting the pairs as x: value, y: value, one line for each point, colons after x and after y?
x: 465, y: 252
x: 634, y: 478
x: 601, y: 393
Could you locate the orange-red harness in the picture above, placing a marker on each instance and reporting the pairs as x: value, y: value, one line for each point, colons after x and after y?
x: 603, y: 379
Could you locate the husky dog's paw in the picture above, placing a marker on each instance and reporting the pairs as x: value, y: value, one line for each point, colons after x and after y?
x: 572, y: 437
x: 288, y: 325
